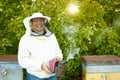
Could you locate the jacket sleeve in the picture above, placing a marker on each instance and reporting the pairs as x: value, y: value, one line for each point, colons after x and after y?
x: 57, y: 49
x: 24, y: 57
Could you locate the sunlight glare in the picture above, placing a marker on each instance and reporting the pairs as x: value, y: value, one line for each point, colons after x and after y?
x: 73, y: 9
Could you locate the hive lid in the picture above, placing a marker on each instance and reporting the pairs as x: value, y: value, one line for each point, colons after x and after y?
x: 101, y: 58
x: 8, y: 57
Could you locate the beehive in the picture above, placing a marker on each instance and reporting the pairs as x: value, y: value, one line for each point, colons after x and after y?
x: 102, y: 67
x: 9, y: 68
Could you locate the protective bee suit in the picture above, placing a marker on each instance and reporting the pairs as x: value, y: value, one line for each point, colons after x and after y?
x: 34, y: 49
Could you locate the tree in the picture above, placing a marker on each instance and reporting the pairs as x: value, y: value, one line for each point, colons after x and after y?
x: 10, y: 25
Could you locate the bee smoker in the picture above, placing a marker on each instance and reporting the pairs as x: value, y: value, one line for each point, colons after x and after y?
x: 58, y: 67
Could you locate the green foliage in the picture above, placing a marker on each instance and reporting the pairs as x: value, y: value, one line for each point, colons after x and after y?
x: 93, y: 30
x: 107, y: 42
x: 10, y: 26
x: 112, y: 9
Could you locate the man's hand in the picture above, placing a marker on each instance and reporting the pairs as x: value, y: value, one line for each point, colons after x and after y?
x: 45, y: 68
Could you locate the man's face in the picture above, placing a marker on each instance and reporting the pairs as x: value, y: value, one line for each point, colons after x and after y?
x: 38, y: 24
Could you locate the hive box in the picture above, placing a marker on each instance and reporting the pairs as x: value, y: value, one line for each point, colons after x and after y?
x: 102, y: 67
x: 9, y: 68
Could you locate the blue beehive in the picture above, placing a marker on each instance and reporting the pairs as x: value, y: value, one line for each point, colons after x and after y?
x: 9, y: 68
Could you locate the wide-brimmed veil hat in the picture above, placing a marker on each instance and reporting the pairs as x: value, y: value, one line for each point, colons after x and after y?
x: 39, y: 15
x: 27, y: 21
